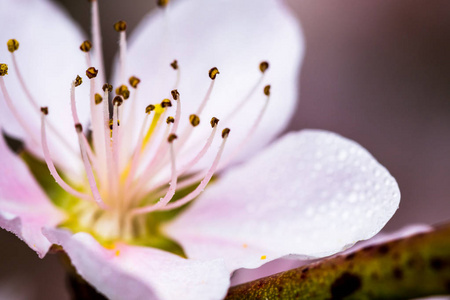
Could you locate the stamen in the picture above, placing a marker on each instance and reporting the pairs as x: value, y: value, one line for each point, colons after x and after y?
x: 252, y: 130
x: 88, y: 168
x: 200, y: 188
x: 121, y: 27
x: 76, y: 119
x: 97, y: 38
x: 123, y: 91
x: 130, y: 172
x: 188, y: 130
x: 162, y: 3
x: 96, y: 122
x: 176, y: 97
x: 173, y: 183
x: 51, y: 166
x: 212, y: 74
x: 9, y: 103
x: 13, y: 46
x: 107, y: 88
x: 175, y: 66
x: 86, y: 47
x: 263, y: 67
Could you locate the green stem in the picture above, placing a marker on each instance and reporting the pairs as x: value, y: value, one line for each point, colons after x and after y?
x: 412, y: 267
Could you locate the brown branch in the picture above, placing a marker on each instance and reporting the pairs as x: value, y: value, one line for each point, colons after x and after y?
x: 412, y: 267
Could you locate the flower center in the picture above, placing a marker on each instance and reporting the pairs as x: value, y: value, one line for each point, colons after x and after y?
x: 126, y: 179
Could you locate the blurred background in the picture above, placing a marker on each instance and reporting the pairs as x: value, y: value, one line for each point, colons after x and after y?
x: 377, y: 72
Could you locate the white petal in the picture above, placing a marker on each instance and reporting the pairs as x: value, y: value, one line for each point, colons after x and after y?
x: 49, y: 59
x: 132, y: 272
x: 24, y: 208
x: 313, y: 193
x: 234, y: 36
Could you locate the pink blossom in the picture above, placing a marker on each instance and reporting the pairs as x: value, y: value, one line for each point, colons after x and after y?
x: 310, y: 193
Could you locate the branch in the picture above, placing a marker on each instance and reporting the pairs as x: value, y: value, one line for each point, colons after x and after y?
x: 411, y: 267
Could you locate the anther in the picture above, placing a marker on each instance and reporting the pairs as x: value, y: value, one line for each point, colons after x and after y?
x: 44, y: 110
x: 162, y: 3
x: 98, y: 99
x: 214, y: 122
x: 175, y: 94
x: 166, y: 103
x: 174, y: 64
x: 79, y: 127
x: 170, y: 120
x: 120, y: 26
x: 172, y: 137
x: 111, y: 123
x: 267, y: 90
x: 91, y: 72
x: 194, y: 120
x: 263, y: 66
x: 213, y: 73
x: 78, y: 80
x: 149, y: 108
x: 86, y: 46
x: 123, y: 91
x: 117, y: 101
x: 134, y: 81
x: 13, y: 45
x: 3, y: 69
x: 225, y: 132
x: 108, y: 87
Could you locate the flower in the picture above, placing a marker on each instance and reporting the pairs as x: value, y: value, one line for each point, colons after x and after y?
x: 116, y: 210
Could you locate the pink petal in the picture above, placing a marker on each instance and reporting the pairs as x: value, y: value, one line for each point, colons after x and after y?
x: 234, y: 36
x: 132, y: 272
x: 24, y: 208
x: 289, y: 262
x: 313, y: 193
x: 49, y: 59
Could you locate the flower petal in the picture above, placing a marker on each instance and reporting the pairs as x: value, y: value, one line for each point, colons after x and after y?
x: 132, y: 272
x: 312, y: 193
x: 24, y: 208
x: 234, y: 36
x: 49, y: 59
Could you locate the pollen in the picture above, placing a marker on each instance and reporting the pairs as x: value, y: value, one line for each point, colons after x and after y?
x: 91, y: 72
x: 117, y: 253
x: 120, y: 26
x: 107, y: 87
x: 44, y: 110
x: 174, y: 64
x: 225, y: 132
x: 166, y: 103
x: 13, y: 45
x: 98, y: 99
x: 263, y: 66
x: 123, y: 91
x: 162, y: 3
x: 78, y: 80
x: 172, y: 137
x: 117, y: 101
x: 86, y: 46
x: 175, y: 94
x: 213, y: 73
x: 3, y: 69
x: 214, y: 122
x: 134, y: 81
x: 244, y: 245
x: 263, y: 257
x: 149, y: 108
x: 267, y: 90
x: 194, y: 120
